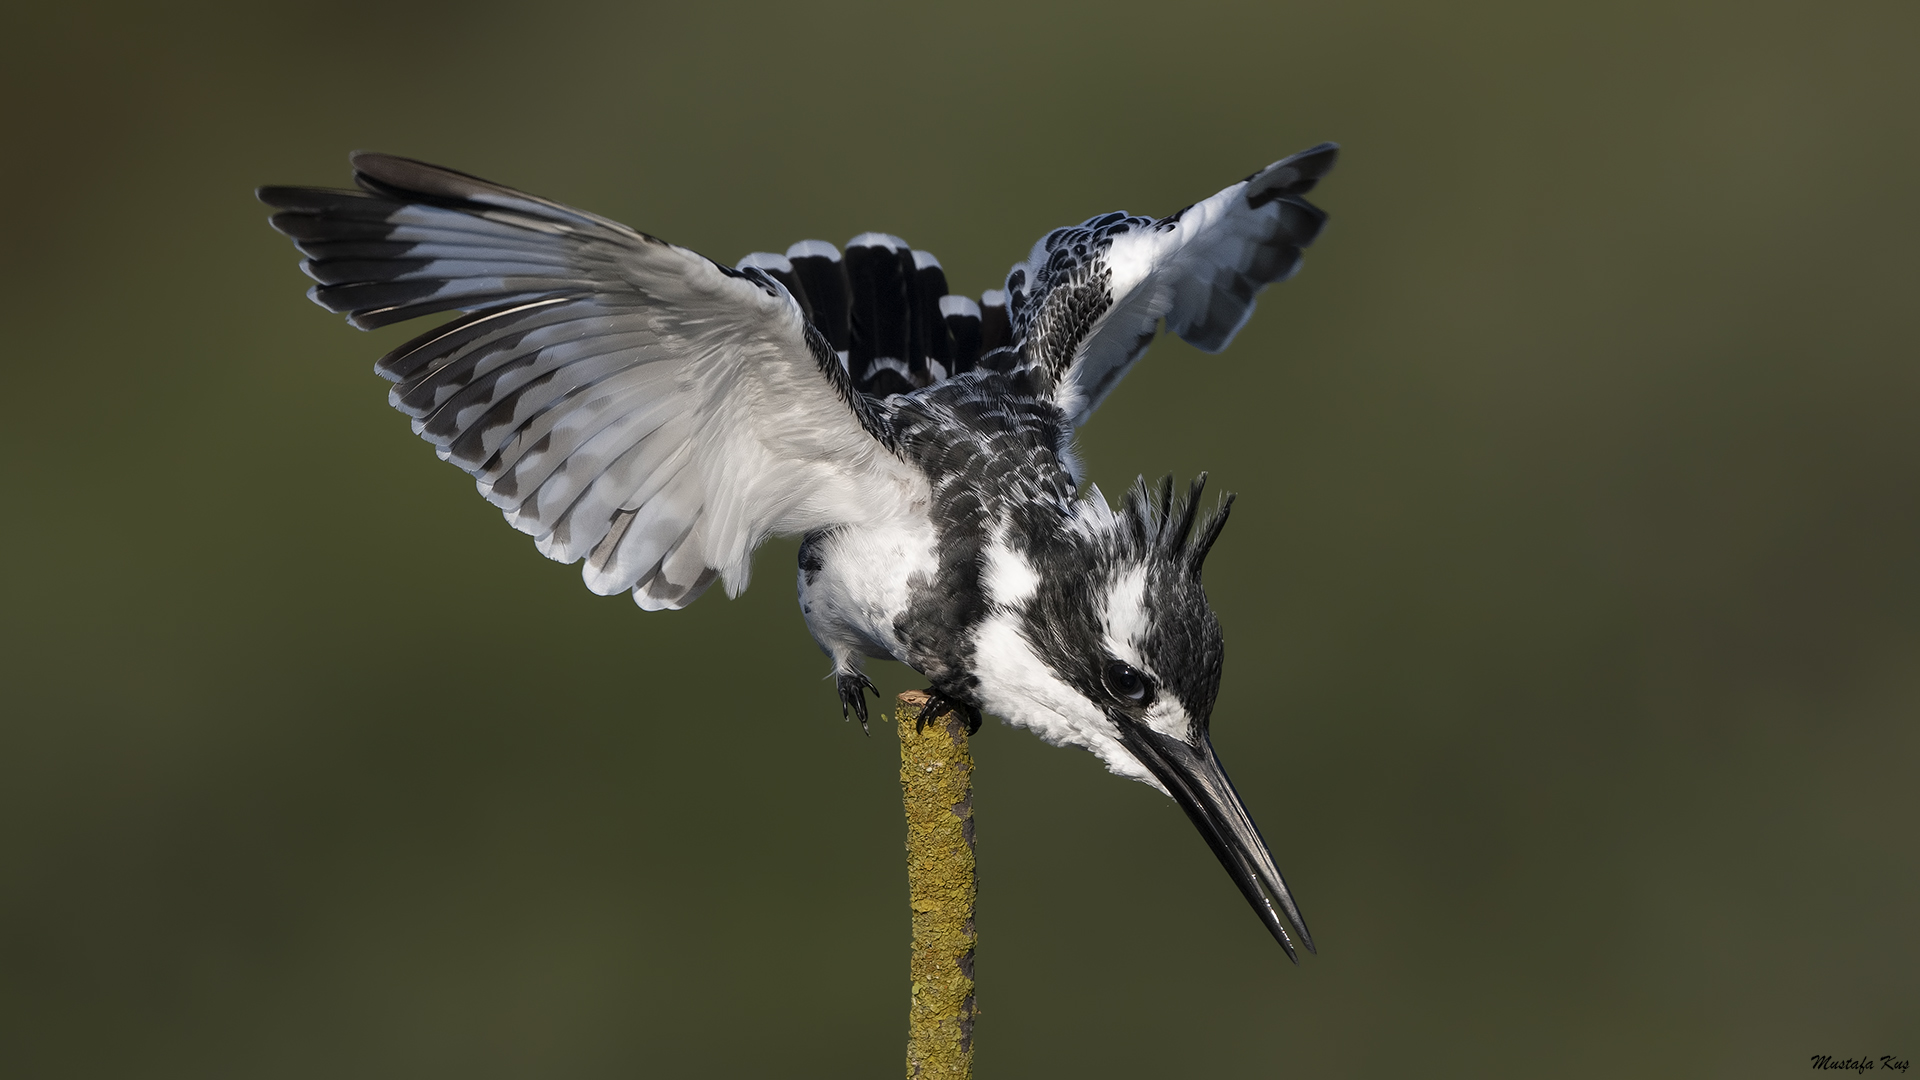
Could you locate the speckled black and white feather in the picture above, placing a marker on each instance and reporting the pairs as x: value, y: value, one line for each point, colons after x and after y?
x: 1088, y: 299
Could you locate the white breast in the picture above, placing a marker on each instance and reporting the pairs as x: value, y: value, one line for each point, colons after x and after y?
x: 865, y: 582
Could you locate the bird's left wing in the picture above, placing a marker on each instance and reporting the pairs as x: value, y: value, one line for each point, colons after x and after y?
x: 623, y: 400
x: 1089, y: 299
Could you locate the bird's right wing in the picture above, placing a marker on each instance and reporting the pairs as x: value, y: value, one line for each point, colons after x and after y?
x: 623, y: 400
x: 1089, y: 299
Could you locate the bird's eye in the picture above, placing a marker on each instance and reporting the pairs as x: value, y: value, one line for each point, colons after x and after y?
x: 1127, y: 682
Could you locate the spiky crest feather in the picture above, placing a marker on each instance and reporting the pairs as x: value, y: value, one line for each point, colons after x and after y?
x: 1152, y: 524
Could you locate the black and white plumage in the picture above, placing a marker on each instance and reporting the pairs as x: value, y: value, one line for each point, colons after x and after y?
x: 655, y: 415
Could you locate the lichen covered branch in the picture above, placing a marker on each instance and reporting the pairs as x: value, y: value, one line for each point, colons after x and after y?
x: 936, y: 783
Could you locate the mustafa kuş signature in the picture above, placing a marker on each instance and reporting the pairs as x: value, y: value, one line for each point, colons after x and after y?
x: 1859, y: 1064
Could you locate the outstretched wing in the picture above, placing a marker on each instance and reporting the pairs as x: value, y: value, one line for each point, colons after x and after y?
x: 623, y: 400
x: 1089, y: 299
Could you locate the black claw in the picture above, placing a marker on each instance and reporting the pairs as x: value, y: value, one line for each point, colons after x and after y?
x: 853, y: 695
x: 938, y: 704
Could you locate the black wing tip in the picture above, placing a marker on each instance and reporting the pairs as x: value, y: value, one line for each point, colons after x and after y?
x: 365, y: 163
x: 389, y: 174
x: 396, y: 169
x: 358, y: 158
x: 382, y: 175
x: 1314, y: 162
x: 1295, y: 174
x: 307, y: 199
x: 382, y: 166
x: 1325, y: 151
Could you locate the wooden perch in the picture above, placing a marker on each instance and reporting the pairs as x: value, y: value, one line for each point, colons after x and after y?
x: 936, y: 783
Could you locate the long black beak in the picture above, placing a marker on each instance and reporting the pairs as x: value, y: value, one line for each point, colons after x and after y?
x: 1198, y: 782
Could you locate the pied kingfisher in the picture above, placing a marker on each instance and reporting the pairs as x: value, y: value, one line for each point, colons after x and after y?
x: 635, y: 405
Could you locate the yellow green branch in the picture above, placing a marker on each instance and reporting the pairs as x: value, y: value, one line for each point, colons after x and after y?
x: 936, y: 783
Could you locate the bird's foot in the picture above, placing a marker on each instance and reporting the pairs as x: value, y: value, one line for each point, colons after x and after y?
x: 938, y: 704
x: 853, y: 695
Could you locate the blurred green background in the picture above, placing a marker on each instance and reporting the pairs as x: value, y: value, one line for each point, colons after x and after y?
x: 1572, y: 600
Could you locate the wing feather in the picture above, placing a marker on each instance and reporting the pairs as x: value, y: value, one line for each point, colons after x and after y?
x: 1089, y: 299
x: 624, y: 401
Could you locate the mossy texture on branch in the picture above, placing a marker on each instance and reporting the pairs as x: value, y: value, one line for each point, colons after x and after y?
x: 936, y: 783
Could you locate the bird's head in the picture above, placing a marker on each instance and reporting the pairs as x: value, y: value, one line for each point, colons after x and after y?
x: 1101, y: 637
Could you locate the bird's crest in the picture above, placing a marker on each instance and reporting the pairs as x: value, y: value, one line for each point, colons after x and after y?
x: 1163, y: 529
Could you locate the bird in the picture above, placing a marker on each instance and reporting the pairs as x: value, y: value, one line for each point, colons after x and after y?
x: 655, y: 415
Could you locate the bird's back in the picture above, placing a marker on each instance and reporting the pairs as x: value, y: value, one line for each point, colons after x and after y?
x: 1000, y: 476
